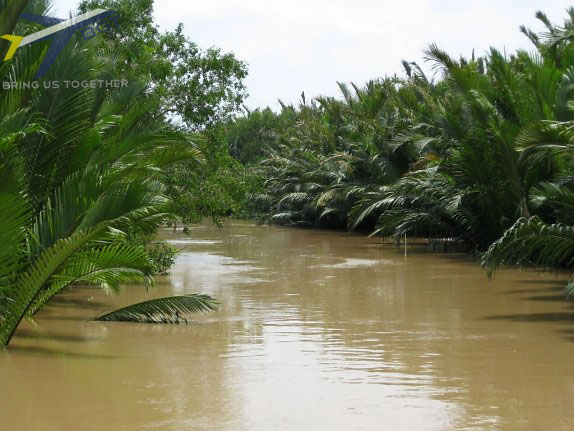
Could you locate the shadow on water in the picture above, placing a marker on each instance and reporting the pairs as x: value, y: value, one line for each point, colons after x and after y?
x: 60, y: 301
x: 564, y: 317
x: 566, y: 331
x: 44, y: 351
x: 25, y: 333
x: 550, y: 298
x: 541, y: 290
x: 67, y: 318
x: 569, y: 334
x: 558, y: 283
x: 550, y: 286
x: 535, y: 317
x: 424, y: 250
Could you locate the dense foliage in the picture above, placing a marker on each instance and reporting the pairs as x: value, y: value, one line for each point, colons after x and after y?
x: 82, y: 169
x: 481, y: 154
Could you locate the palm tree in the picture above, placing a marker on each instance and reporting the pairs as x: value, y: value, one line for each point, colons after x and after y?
x: 78, y: 171
x: 482, y: 155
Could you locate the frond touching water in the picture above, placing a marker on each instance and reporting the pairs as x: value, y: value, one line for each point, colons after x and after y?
x: 531, y: 241
x: 163, y: 310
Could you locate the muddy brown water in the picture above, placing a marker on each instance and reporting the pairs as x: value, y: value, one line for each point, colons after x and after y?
x: 318, y: 330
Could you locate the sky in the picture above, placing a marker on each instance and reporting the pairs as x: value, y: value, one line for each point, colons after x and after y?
x: 308, y: 45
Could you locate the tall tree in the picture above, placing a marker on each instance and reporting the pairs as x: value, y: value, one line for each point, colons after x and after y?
x: 198, y: 87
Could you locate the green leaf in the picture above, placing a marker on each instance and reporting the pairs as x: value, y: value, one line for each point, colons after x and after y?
x: 162, y: 310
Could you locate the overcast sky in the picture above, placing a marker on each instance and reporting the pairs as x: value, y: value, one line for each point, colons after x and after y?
x: 308, y: 45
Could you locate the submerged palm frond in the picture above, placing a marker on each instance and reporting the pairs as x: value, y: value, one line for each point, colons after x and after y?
x: 163, y: 310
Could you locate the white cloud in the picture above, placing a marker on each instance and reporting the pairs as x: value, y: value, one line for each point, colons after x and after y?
x: 308, y: 45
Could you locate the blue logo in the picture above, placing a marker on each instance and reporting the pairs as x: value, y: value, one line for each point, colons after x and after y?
x: 60, y: 32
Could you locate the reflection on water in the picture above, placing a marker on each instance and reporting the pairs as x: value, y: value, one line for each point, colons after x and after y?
x: 319, y: 330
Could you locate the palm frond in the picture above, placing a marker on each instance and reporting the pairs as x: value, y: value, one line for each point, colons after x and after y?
x: 21, y: 295
x: 554, y: 195
x: 531, y: 241
x: 107, y: 266
x: 163, y: 310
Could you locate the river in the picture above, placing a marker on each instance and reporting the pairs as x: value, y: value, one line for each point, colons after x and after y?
x: 318, y: 330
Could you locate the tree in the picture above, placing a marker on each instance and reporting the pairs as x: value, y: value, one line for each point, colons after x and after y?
x: 197, y: 87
